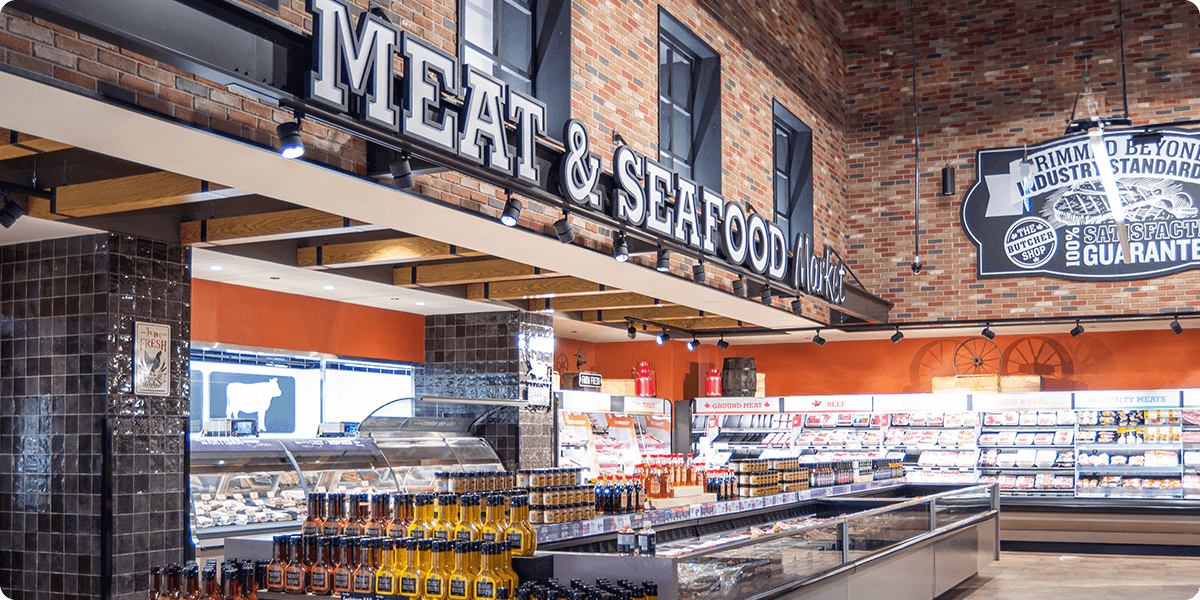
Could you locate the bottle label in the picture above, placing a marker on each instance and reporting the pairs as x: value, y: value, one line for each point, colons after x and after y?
x: 341, y: 580
x: 417, y: 533
x: 293, y: 580
x: 373, y: 531
x: 464, y: 535
x: 440, y: 534
x: 362, y: 583
x: 383, y: 584
x: 458, y: 588
x: 310, y: 528
x: 275, y: 577
x: 484, y: 589
x: 329, y: 530
x: 646, y: 544
x: 408, y: 585
x: 320, y: 579
x: 515, y: 539
x: 433, y: 586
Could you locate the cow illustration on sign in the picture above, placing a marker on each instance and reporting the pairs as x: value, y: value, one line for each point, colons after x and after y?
x: 251, y: 398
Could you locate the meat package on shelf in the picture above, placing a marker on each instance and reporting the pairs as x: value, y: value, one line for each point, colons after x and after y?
x: 242, y: 509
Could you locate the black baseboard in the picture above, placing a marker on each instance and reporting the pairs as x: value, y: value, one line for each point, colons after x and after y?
x: 1079, y: 548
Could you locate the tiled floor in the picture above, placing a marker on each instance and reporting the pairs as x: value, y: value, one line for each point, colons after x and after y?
x: 1037, y: 576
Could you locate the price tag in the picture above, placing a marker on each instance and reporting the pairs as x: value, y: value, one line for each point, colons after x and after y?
x: 220, y: 496
x: 206, y: 496
x: 271, y: 495
x: 321, y: 489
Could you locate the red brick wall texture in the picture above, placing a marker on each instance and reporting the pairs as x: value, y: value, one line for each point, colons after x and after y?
x: 991, y: 74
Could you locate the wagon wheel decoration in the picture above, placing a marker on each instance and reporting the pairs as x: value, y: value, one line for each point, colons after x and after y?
x: 978, y: 356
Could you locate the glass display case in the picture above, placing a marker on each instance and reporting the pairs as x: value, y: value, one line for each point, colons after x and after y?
x: 244, y: 486
x: 954, y: 531
x: 604, y: 435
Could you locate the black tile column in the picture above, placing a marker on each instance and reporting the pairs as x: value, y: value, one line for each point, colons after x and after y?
x: 93, y: 479
x: 480, y: 355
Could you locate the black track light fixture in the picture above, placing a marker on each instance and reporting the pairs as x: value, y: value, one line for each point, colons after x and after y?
x: 664, y: 260
x: 698, y: 272
x: 1176, y: 327
x: 632, y: 331
x: 899, y: 335
x: 1077, y: 330
x: 722, y: 344
x: 621, y: 248
x: 797, y: 307
x: 947, y: 180
x: 739, y: 287
x: 692, y: 345
x: 662, y: 338
x: 512, y: 210
x: 564, y: 230
x: 402, y: 175
x: 818, y: 340
x: 10, y: 213
x: 987, y: 331
x: 765, y: 295
x: 290, y: 144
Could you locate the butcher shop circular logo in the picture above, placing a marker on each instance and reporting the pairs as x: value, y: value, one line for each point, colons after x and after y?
x: 1030, y: 242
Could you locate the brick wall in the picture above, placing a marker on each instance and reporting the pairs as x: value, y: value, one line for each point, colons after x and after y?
x: 770, y: 49
x: 993, y: 74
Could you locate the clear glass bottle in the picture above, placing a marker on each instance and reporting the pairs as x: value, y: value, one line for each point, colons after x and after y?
x: 386, y: 576
x: 295, y: 576
x: 436, y: 582
x: 314, y: 520
x: 492, y: 529
x: 320, y: 580
x: 363, y: 579
x: 343, y: 573
x: 488, y: 581
x: 278, y: 563
x: 410, y: 579
x: 448, y: 517
x: 469, y: 522
x: 460, y: 578
x: 519, y: 531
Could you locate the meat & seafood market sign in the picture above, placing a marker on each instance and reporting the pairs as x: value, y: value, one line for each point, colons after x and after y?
x: 1045, y: 211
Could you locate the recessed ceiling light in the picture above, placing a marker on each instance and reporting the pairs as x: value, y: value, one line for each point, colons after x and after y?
x: 216, y: 268
x: 420, y: 303
x: 328, y: 287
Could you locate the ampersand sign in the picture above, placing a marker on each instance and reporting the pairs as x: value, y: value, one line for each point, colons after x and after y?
x: 579, y: 168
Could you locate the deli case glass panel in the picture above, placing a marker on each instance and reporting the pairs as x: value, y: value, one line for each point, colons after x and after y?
x: 244, y: 486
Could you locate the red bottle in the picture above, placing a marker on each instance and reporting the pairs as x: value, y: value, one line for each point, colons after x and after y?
x: 712, y: 383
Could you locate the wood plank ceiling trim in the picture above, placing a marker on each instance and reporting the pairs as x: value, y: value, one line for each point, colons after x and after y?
x: 379, y: 252
x: 465, y: 272
x: 124, y: 194
x: 266, y: 227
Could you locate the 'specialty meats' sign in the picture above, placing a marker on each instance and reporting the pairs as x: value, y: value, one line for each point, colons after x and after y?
x: 352, y: 73
x: 1046, y: 211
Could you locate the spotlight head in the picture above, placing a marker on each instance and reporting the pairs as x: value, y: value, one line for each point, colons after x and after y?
x: 664, y: 261
x: 1077, y: 330
x: 564, y: 230
x: 722, y: 344
x: 402, y: 176
x: 739, y: 287
x: 765, y: 295
x: 916, y: 265
x: 10, y: 213
x: 818, y: 340
x: 632, y: 331
x: 693, y: 344
x: 698, y: 272
x: 290, y: 144
x: 948, y: 179
x: 988, y: 333
x: 512, y: 210
x: 662, y: 338
x: 899, y: 335
x: 1176, y: 327
x: 621, y: 248
x: 797, y: 307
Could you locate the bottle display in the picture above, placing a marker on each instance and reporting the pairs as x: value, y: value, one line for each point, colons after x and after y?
x: 489, y: 580
x: 519, y: 532
x: 410, y: 579
x: 447, y: 517
x: 278, y: 563
x: 493, y: 526
x: 459, y: 581
x: 402, y: 515
x: 386, y: 575
x: 423, y: 521
x: 295, y: 575
x: 321, y: 573
x: 380, y: 516
x: 363, y: 577
x: 467, y: 529
x: 343, y: 573
x: 435, y: 584
x: 315, y: 520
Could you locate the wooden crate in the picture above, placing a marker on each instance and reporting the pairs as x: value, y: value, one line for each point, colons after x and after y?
x: 988, y: 383
x: 618, y: 387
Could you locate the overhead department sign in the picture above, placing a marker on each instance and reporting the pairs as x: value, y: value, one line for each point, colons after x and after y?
x: 1047, y: 212
x: 352, y: 73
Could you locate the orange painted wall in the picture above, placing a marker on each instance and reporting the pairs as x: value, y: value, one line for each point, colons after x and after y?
x: 234, y: 314
x: 1095, y: 360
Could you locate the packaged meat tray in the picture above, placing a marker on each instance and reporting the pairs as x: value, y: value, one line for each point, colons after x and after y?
x: 879, y: 420
x: 988, y: 439
x: 952, y: 420
x: 918, y: 419
x: 1191, y: 416
x: 1043, y: 439
x: 1045, y: 418
x: 1065, y: 417
x: 1011, y: 417
x: 1028, y: 418
x: 1024, y: 439
x: 901, y: 419
x: 1191, y: 437
x: 993, y: 419
x: 1064, y: 437
x: 970, y: 419
x: 935, y: 420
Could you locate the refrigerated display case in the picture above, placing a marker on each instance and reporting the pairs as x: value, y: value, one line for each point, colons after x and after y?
x: 245, y: 486
x: 607, y: 435
x: 939, y: 540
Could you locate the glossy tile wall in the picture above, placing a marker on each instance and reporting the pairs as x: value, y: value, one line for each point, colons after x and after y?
x: 481, y: 355
x: 93, y: 483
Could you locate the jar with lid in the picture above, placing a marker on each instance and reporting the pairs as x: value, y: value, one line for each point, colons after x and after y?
x: 456, y: 483
x: 441, y: 482
x: 536, y: 512
x: 523, y: 478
